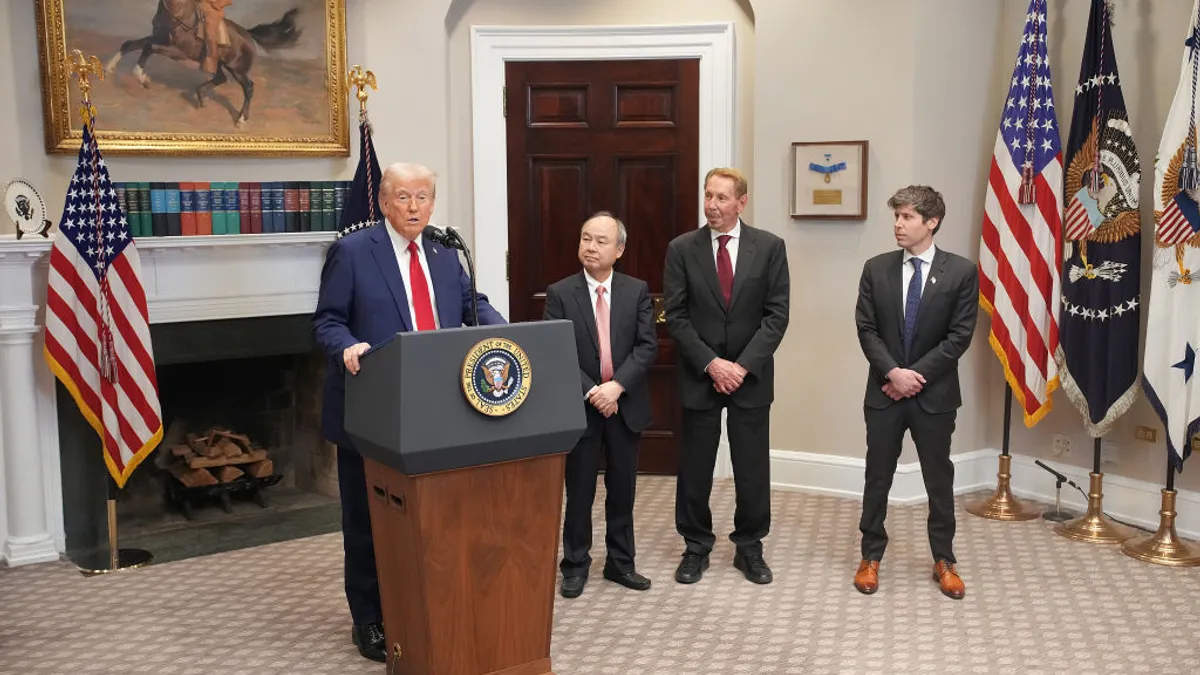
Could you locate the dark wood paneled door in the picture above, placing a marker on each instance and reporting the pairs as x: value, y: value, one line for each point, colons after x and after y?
x: 619, y: 136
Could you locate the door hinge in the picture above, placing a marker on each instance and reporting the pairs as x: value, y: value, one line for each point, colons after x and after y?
x: 507, y: 260
x: 504, y: 103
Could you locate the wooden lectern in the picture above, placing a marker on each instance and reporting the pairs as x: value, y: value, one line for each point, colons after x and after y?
x: 465, y: 506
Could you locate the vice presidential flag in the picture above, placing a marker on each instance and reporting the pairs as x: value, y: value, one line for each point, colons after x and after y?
x: 97, y: 325
x: 1101, y: 286
x: 1173, y: 322
x: 1021, y: 252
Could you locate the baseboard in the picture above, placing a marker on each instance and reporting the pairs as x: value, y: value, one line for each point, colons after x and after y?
x: 1132, y: 501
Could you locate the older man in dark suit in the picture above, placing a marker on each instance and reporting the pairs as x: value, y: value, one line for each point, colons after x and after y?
x: 614, y: 336
x: 727, y: 293
x: 376, y: 283
x: 916, y: 316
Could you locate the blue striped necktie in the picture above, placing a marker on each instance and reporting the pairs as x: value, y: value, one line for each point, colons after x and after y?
x: 912, y: 304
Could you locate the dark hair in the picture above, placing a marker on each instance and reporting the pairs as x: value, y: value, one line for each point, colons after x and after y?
x: 923, y: 199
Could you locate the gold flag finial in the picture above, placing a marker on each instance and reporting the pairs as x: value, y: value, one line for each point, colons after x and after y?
x: 83, y: 66
x: 362, y: 79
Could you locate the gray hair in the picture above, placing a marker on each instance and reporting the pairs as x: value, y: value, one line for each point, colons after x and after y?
x: 622, y: 235
x: 405, y: 171
x: 923, y: 199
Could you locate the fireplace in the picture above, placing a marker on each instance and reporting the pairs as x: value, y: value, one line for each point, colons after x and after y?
x: 229, y: 320
x: 247, y: 385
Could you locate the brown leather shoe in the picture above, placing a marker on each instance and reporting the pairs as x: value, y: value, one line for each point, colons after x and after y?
x: 949, y: 582
x: 866, y: 580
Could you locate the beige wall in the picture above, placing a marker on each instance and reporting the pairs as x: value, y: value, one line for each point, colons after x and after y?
x: 923, y: 80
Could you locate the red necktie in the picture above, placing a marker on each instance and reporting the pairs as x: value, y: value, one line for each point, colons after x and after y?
x: 419, y: 288
x: 725, y: 268
x: 606, y: 367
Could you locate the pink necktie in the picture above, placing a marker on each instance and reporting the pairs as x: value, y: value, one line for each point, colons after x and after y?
x: 606, y: 366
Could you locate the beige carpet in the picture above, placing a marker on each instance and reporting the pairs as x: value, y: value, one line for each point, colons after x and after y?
x: 1036, y: 603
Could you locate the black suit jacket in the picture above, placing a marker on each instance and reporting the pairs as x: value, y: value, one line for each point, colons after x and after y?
x: 747, y: 332
x: 631, y: 338
x: 945, y: 326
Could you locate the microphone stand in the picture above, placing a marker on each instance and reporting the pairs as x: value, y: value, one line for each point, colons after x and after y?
x: 1059, y: 515
x: 462, y: 246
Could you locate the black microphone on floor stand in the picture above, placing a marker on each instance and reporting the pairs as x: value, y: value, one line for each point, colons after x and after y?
x: 1058, y: 515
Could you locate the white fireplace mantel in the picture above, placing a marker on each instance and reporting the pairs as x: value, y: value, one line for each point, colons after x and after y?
x: 186, y: 279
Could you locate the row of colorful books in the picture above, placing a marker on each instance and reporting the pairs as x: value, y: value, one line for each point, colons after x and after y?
x: 202, y: 208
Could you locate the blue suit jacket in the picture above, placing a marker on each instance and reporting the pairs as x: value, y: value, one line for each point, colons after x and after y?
x: 362, y: 299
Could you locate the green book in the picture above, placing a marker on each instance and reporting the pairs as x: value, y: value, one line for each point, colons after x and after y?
x: 327, y: 221
x: 145, y: 226
x: 217, y: 204
x: 233, y: 216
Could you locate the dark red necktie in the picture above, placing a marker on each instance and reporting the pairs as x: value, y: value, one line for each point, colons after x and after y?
x: 725, y: 268
x: 419, y: 287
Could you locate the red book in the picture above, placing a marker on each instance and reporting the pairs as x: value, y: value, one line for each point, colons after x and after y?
x: 256, y: 207
x: 187, y: 209
x: 244, y: 207
x: 203, y: 208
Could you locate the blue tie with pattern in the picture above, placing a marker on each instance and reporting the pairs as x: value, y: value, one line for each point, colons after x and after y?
x: 911, y: 305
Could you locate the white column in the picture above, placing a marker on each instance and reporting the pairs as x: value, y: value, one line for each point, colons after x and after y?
x: 29, y: 539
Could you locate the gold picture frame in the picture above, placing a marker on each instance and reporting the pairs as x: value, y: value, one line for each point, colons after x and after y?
x: 298, y: 94
x: 829, y: 180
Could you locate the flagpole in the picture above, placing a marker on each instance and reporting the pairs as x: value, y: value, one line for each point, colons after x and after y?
x: 1002, y: 505
x: 1094, y: 527
x: 116, y: 558
x: 1164, y: 547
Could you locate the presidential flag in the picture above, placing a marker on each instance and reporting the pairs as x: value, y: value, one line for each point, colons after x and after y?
x: 1101, y: 286
x: 362, y: 204
x: 1020, y: 254
x: 1173, y: 322
x: 97, y: 326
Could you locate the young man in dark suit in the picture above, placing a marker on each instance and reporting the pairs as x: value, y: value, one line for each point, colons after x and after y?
x: 377, y: 282
x: 916, y: 315
x: 615, y: 339
x: 727, y: 291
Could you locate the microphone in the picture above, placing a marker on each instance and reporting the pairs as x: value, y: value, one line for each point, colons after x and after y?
x: 1061, y: 478
x: 448, y: 238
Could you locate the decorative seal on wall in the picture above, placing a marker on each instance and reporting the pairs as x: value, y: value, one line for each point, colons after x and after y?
x: 496, y: 376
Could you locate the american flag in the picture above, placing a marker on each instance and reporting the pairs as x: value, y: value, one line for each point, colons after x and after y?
x: 97, y: 326
x: 1020, y: 255
x: 1176, y: 225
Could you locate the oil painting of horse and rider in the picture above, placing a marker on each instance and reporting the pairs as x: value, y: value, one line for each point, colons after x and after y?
x: 254, y: 68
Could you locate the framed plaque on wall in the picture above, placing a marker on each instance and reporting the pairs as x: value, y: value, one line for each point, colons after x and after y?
x: 829, y: 180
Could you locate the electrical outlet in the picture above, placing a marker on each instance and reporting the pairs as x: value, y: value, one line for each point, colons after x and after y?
x: 1145, y: 433
x: 1109, y: 453
x: 1061, y: 445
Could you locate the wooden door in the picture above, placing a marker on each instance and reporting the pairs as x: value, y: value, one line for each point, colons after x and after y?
x: 619, y: 136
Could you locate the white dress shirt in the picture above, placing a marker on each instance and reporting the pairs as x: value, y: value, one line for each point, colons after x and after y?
x: 400, y: 245
x: 593, y: 285
x: 906, y: 273
x: 731, y: 245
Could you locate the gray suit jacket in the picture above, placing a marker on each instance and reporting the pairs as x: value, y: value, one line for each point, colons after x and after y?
x: 747, y: 332
x: 631, y: 338
x: 945, y: 326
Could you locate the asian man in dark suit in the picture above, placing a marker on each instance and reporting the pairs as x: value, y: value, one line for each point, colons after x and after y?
x: 916, y: 315
x: 375, y: 283
x: 727, y: 291
x: 615, y: 339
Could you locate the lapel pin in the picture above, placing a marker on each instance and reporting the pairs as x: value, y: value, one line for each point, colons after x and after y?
x: 933, y: 280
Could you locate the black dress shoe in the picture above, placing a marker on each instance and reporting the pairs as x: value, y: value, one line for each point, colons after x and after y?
x: 691, y: 568
x: 754, y: 567
x: 368, y: 637
x: 572, y: 587
x: 631, y: 580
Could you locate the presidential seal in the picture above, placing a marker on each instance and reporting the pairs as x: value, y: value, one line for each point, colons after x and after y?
x: 496, y: 377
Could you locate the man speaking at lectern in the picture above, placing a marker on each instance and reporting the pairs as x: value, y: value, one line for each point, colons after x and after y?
x: 375, y: 283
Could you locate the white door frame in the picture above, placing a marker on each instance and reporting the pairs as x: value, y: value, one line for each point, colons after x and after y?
x: 492, y: 46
